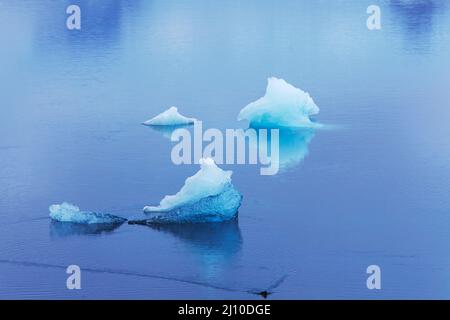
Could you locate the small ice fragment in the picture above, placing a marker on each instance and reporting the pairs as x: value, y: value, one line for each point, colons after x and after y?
x: 67, y: 212
x: 170, y: 117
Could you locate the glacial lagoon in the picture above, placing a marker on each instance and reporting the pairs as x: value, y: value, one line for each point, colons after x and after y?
x: 373, y: 189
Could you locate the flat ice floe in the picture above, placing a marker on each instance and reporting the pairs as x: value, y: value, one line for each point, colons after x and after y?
x: 67, y: 212
x: 207, y: 196
x: 170, y: 117
x: 283, y: 105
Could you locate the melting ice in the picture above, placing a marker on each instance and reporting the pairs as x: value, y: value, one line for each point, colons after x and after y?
x: 170, y: 117
x: 283, y: 105
x: 207, y: 196
x: 67, y: 212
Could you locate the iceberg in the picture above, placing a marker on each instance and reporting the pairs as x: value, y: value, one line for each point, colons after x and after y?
x: 170, y: 117
x: 207, y: 196
x: 67, y: 212
x: 283, y: 105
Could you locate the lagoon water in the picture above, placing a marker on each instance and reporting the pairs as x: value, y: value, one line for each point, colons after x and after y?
x: 374, y: 188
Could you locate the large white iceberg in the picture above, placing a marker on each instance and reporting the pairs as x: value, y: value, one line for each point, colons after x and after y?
x: 207, y: 196
x: 67, y: 212
x: 283, y: 105
x: 170, y: 117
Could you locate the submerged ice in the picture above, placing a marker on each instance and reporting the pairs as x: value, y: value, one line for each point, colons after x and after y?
x: 283, y: 105
x: 67, y: 212
x: 170, y: 117
x: 207, y: 196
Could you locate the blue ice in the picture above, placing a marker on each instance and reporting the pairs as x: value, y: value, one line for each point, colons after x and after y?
x: 283, y: 105
x: 170, y: 117
x: 207, y: 196
x: 67, y: 212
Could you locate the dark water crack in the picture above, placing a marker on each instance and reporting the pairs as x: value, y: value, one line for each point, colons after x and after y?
x: 264, y: 292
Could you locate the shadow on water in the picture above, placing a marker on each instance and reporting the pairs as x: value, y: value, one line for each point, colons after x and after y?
x: 67, y: 229
x: 101, y: 20
x: 222, y: 238
x: 166, y: 131
x: 101, y: 25
x: 416, y: 18
x: 293, y: 145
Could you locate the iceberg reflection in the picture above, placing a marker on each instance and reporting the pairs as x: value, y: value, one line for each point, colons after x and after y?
x: 166, y: 131
x: 293, y: 145
x: 214, y: 244
x: 66, y: 229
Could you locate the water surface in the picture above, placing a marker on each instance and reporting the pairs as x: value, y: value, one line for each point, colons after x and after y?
x: 373, y: 190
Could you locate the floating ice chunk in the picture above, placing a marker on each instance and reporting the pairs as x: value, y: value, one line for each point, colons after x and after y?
x: 217, y: 208
x: 283, y: 105
x: 170, y: 117
x: 67, y: 212
x: 208, y: 181
x: 207, y: 196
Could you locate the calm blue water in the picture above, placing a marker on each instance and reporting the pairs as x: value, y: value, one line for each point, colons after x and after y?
x: 374, y: 189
